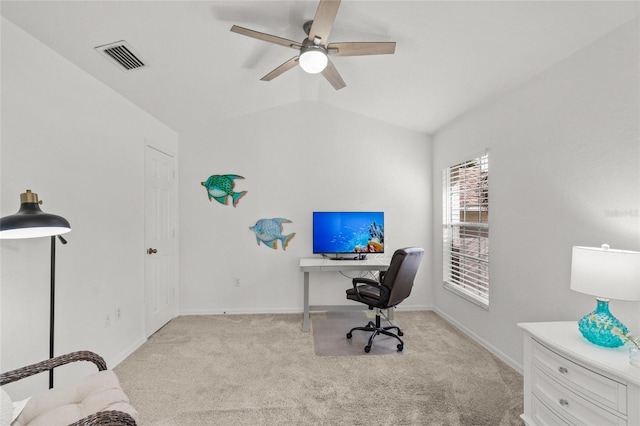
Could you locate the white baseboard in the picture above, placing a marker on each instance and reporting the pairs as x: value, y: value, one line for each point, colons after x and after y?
x: 281, y: 311
x: 237, y: 312
x: 112, y: 363
x: 507, y: 360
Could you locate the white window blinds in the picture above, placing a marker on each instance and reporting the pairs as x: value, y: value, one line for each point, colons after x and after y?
x: 466, y: 229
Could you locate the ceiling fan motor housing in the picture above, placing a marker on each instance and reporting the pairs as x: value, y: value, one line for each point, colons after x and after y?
x: 307, y: 27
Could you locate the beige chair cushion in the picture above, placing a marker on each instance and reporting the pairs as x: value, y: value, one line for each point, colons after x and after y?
x: 68, y: 404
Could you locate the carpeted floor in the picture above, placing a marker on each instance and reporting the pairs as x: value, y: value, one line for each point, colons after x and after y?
x: 262, y: 370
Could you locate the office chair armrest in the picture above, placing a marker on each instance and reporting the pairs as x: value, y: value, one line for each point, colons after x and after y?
x: 362, y: 280
x: 384, y: 291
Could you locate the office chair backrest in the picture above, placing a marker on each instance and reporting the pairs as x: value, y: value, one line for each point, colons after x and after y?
x: 401, y: 273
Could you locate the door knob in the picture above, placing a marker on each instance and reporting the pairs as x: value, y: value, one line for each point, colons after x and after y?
x: 152, y: 251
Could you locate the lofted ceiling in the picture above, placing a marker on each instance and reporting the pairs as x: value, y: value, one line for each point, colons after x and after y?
x: 450, y: 56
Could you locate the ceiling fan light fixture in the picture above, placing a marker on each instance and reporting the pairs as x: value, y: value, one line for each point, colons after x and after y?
x: 313, y: 60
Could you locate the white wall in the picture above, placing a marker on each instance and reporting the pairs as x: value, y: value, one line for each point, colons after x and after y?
x: 80, y: 146
x: 564, y: 154
x: 295, y: 159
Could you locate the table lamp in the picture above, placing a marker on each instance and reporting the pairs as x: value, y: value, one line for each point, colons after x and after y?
x: 31, y: 222
x: 606, y: 274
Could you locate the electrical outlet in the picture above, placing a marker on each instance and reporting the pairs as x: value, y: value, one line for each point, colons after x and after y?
x: 117, y: 314
x: 237, y: 283
x: 107, y: 319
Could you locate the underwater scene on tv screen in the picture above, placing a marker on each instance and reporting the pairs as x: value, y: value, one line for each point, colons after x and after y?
x: 348, y: 232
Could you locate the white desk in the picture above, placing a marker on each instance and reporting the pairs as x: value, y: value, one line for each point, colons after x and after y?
x: 318, y: 264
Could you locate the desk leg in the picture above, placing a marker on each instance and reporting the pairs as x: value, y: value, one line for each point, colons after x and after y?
x: 305, y: 315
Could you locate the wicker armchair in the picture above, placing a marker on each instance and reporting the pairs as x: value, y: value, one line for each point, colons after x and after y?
x: 38, y: 408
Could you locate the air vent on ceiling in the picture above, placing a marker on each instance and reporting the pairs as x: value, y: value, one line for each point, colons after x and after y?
x: 123, y: 55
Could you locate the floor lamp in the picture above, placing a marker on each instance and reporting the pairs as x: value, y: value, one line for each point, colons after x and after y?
x: 31, y: 222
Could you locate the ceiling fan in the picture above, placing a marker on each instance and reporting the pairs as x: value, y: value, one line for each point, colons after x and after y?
x: 315, y: 50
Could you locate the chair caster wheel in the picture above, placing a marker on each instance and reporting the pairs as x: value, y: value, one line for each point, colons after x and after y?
x: 349, y: 335
x: 400, y: 347
x: 400, y: 333
x: 367, y: 349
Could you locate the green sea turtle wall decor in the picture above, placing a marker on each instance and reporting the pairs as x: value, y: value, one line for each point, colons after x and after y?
x: 220, y: 188
x: 269, y: 231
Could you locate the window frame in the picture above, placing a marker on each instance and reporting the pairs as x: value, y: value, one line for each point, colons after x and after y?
x: 467, y: 274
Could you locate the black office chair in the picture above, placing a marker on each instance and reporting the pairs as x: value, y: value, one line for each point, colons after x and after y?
x: 394, y: 286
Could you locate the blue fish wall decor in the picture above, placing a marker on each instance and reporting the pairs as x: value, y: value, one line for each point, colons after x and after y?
x: 269, y: 231
x: 220, y: 188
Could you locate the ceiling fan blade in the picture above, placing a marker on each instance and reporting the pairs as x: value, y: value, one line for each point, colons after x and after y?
x: 362, y: 48
x: 323, y: 21
x: 281, y: 69
x: 333, y: 76
x: 266, y: 37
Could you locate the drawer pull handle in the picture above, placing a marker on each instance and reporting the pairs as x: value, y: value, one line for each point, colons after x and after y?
x: 563, y: 402
x: 563, y: 370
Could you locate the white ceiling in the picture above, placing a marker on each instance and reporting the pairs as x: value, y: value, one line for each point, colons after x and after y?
x: 450, y: 55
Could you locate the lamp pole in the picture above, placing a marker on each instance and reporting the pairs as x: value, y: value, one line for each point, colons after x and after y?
x: 52, y: 315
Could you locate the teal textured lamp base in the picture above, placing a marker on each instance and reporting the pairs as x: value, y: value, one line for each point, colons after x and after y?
x: 597, y: 326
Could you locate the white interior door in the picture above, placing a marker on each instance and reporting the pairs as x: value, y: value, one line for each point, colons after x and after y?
x: 160, y: 236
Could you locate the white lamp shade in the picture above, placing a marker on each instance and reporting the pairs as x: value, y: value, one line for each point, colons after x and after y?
x: 606, y: 273
x: 313, y: 61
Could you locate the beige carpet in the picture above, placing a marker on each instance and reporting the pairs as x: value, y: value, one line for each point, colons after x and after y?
x: 330, y: 330
x: 262, y: 370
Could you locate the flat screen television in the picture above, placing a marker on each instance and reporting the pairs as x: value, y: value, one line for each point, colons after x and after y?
x: 342, y: 233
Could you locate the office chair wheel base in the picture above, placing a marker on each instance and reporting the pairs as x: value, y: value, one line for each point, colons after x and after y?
x: 349, y: 335
x: 400, y: 347
x: 367, y: 349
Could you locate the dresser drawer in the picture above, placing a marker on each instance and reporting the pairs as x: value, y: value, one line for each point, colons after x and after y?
x: 543, y: 415
x: 583, y: 381
x: 569, y: 405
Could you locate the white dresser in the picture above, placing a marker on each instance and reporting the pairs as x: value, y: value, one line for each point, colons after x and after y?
x: 569, y: 381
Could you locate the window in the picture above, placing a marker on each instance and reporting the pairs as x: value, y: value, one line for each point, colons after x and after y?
x: 466, y: 229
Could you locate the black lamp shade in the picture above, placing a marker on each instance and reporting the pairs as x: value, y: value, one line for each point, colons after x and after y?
x: 31, y: 222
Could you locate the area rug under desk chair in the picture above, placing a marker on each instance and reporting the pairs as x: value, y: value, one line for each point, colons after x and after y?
x: 394, y: 286
x: 97, y: 399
